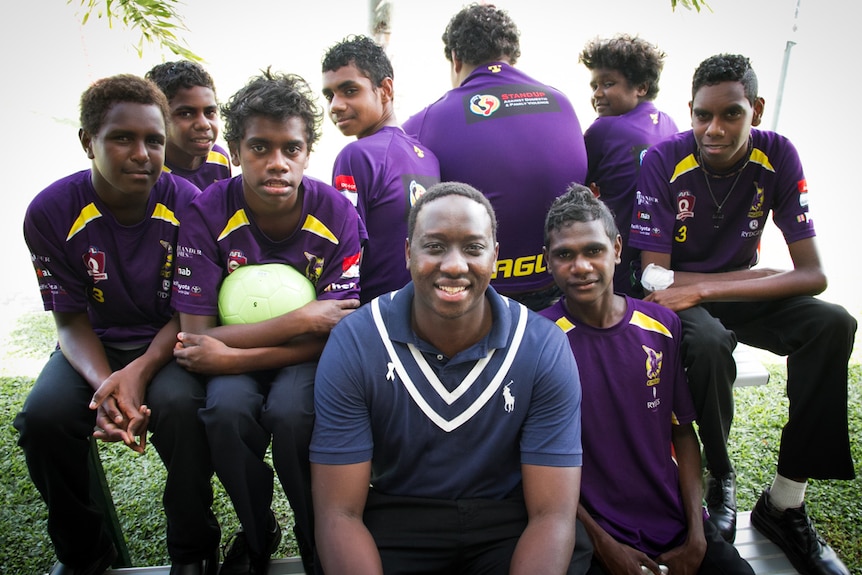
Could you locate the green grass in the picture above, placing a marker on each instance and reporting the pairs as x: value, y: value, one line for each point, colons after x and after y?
x: 136, y: 481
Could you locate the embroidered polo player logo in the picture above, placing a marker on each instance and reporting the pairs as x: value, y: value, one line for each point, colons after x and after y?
x: 508, y: 398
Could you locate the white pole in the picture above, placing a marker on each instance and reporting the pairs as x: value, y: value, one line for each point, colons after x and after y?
x: 784, y: 65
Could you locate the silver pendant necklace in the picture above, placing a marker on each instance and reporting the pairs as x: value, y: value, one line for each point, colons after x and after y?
x: 718, y: 215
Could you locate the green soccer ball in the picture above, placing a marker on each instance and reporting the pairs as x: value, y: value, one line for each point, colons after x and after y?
x: 254, y: 293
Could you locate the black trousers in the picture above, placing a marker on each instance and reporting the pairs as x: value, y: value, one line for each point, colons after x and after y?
x: 817, y: 338
x: 721, y: 557
x: 55, y: 426
x: 448, y: 537
x: 243, y: 412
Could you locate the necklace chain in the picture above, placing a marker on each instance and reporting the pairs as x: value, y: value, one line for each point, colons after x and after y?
x: 718, y: 215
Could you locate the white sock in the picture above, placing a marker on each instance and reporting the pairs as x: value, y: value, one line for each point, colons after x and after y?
x: 786, y: 493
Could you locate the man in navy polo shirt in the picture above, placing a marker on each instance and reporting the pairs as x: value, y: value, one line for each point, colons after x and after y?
x: 460, y: 407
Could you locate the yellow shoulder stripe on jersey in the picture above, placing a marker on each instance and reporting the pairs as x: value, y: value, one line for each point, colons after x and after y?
x: 318, y: 228
x: 645, y: 322
x: 162, y: 212
x: 687, y: 164
x: 236, y: 221
x: 564, y: 324
x: 217, y: 158
x: 165, y: 168
x: 759, y: 157
x: 87, y: 215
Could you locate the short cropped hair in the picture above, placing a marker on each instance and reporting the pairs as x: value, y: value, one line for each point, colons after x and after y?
x: 275, y: 96
x: 104, y: 93
x: 368, y: 56
x: 443, y: 189
x: 726, y: 68
x: 482, y: 33
x: 172, y: 77
x: 636, y: 59
x: 579, y: 204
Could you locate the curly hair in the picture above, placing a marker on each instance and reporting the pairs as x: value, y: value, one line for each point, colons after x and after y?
x: 443, y: 189
x: 104, y: 93
x: 482, y: 33
x: 579, y: 204
x: 172, y: 77
x: 368, y: 56
x: 726, y: 68
x: 276, y: 96
x: 639, y: 61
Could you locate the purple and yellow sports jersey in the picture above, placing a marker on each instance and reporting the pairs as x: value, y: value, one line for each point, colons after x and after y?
x: 220, y: 235
x: 518, y: 142
x: 634, y: 391
x: 674, y: 213
x: 383, y: 175
x: 440, y: 427
x: 215, y: 168
x: 87, y: 262
x: 615, y: 149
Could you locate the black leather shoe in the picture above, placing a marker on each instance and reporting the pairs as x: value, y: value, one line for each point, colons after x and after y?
x: 208, y: 566
x: 238, y: 559
x: 793, y: 531
x: 98, y: 566
x: 720, y: 495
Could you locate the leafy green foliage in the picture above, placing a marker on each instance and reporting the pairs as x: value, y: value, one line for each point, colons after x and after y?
x: 158, y: 21
x: 690, y: 4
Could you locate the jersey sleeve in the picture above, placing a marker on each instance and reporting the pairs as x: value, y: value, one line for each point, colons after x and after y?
x: 339, y: 278
x: 790, y: 211
x: 61, y: 288
x: 594, y: 140
x: 353, y: 176
x: 198, y: 266
x: 653, y: 215
x: 683, y: 404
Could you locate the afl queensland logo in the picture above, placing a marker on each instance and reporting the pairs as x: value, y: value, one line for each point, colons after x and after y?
x: 484, y: 104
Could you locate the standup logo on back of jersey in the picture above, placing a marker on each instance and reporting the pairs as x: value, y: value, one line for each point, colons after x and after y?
x: 506, y: 101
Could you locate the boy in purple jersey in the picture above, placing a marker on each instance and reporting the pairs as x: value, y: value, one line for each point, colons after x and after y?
x: 625, y: 72
x: 260, y: 376
x: 459, y: 407
x: 384, y: 171
x: 103, y: 242
x: 703, y: 199
x: 515, y: 139
x: 640, y: 507
x: 191, y: 152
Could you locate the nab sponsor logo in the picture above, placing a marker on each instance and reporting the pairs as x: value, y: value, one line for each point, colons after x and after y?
x: 645, y: 216
x: 184, y: 271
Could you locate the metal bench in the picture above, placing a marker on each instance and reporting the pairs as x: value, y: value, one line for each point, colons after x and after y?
x: 749, y: 369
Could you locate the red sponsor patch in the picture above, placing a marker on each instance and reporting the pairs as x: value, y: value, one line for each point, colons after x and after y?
x: 350, y: 261
x: 802, y: 185
x: 345, y: 183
